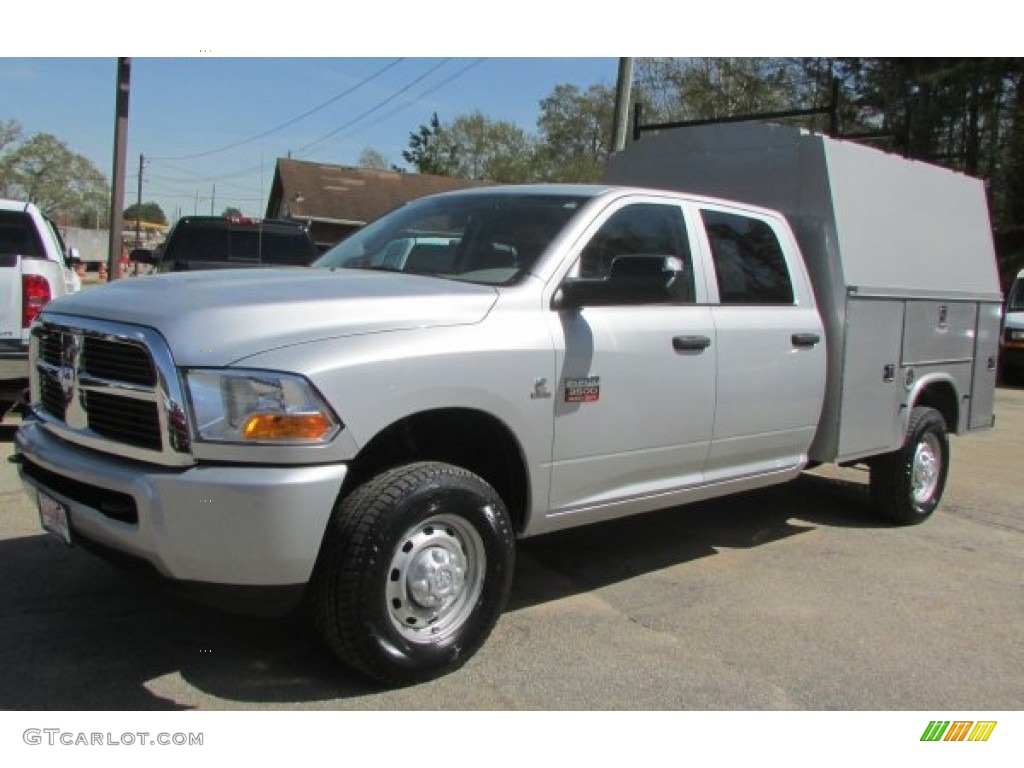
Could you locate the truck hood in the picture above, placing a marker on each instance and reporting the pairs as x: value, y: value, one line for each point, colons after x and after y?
x: 216, y: 318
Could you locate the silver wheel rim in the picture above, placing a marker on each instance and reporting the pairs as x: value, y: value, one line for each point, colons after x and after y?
x: 927, y: 469
x: 435, y: 579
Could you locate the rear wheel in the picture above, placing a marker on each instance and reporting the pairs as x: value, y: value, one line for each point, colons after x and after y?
x: 907, y: 485
x: 414, y: 572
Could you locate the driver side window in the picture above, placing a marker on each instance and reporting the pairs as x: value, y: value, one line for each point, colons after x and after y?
x: 641, y: 229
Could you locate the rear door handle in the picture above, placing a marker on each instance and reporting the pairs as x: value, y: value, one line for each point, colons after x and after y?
x: 690, y: 343
x: 805, y: 339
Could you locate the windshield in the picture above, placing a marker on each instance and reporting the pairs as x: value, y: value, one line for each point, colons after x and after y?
x: 1016, y: 301
x: 493, y: 239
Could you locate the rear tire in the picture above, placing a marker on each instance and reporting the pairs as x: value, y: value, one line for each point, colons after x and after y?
x: 414, y: 571
x: 907, y: 485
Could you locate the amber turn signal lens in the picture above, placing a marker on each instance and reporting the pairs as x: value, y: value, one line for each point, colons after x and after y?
x: 286, y: 426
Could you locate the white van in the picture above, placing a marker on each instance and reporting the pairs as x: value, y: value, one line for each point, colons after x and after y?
x: 1011, y: 352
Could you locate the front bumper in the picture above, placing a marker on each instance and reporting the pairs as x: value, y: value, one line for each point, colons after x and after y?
x: 219, y: 525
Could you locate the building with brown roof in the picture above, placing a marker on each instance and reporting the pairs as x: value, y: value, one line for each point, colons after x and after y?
x: 335, y: 200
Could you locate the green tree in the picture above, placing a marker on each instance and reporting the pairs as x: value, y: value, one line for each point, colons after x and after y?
x: 964, y: 113
x: 147, y: 212
x: 428, y: 150
x: 485, y: 149
x: 575, y: 133
x: 473, y: 146
x: 231, y: 211
x: 43, y: 170
x: 697, y: 88
x: 10, y: 132
x: 371, y: 158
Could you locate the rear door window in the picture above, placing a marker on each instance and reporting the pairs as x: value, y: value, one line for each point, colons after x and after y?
x: 245, y: 245
x: 290, y: 248
x: 18, y: 236
x: 748, y: 259
x: 198, y: 244
x: 248, y: 244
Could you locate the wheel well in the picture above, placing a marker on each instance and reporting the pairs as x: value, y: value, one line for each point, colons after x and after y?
x: 941, y: 396
x: 464, y: 437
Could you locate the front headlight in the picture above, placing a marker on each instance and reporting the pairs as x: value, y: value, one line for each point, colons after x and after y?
x: 240, y: 406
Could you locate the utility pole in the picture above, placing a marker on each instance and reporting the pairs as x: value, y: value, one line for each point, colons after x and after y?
x: 213, y: 198
x: 114, y: 244
x: 622, y: 93
x: 138, y: 207
x: 195, y: 208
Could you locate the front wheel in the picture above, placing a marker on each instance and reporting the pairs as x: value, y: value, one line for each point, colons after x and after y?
x: 414, y: 572
x: 907, y: 485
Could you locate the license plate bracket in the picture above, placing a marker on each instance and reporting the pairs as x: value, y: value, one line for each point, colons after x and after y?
x: 54, y: 517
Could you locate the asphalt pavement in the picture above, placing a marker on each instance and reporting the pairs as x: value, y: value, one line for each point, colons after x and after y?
x: 796, y: 597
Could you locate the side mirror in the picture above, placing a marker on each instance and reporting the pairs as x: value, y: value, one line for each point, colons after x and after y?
x: 631, y: 280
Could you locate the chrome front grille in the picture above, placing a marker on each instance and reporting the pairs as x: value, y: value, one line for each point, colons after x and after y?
x: 51, y: 397
x: 117, y: 361
x: 134, y: 422
x: 109, y: 387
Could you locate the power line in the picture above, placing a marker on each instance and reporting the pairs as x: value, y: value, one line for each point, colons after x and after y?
x: 291, y: 122
x: 427, y: 92
x: 219, y: 178
x: 373, y: 109
x: 194, y: 179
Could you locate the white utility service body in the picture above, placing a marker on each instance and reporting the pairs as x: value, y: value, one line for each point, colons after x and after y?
x: 900, y: 254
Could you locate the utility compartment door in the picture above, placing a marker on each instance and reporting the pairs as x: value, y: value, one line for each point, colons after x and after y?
x: 939, y: 332
x: 983, y: 380
x: 872, y: 387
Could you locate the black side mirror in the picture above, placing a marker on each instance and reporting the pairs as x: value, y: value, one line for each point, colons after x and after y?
x: 632, y: 280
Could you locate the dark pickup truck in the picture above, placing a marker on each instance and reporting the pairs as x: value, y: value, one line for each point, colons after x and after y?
x: 220, y: 242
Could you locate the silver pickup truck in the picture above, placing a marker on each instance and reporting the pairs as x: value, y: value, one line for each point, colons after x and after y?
x: 375, y: 432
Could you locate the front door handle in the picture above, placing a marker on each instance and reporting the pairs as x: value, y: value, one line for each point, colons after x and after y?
x: 690, y: 343
x: 805, y: 339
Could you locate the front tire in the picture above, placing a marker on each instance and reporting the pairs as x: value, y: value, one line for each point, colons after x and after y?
x: 907, y: 485
x: 414, y: 572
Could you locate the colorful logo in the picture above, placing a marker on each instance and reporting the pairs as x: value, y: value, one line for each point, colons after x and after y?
x: 958, y: 730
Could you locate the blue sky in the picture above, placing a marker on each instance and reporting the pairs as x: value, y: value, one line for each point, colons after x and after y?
x: 183, y: 107
x: 189, y: 96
